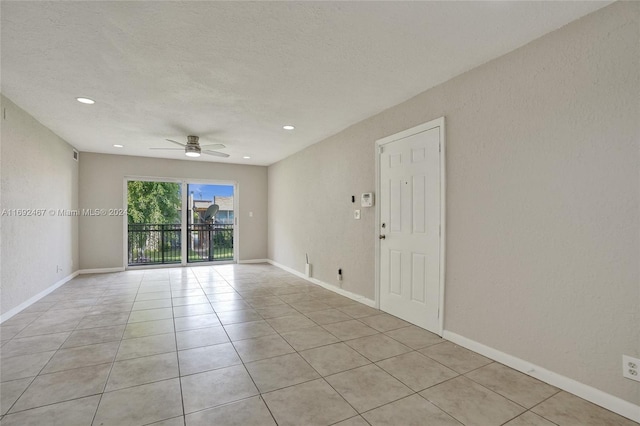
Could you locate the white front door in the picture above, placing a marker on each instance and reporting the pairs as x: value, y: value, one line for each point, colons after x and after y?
x: 409, y: 212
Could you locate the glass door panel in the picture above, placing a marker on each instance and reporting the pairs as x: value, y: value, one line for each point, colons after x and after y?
x: 154, y: 222
x: 210, y: 222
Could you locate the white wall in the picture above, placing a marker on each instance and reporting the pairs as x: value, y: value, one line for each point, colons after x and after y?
x: 543, y: 213
x: 38, y: 172
x: 101, y: 187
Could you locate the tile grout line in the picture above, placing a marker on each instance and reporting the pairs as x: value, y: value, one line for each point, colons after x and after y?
x: 175, y: 339
x: 244, y: 295
x: 113, y: 362
x: 43, y: 367
x: 544, y: 400
x: 244, y: 366
x: 276, y: 332
x: 321, y: 377
x: 284, y: 339
x: 55, y: 352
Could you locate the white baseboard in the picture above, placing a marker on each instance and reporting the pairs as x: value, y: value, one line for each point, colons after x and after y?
x: 100, y: 270
x: 340, y: 291
x: 254, y: 261
x: 34, y: 299
x: 598, y: 397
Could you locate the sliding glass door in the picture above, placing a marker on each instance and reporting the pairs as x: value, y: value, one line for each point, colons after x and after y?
x: 161, y: 215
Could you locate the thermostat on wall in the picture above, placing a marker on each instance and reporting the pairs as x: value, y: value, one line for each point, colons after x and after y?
x: 367, y: 199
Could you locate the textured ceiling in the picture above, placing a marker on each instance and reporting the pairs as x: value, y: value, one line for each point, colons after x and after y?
x: 236, y: 72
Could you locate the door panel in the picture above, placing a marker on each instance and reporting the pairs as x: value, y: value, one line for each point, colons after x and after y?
x: 418, y: 277
x: 419, y: 201
x: 395, y: 272
x: 395, y: 205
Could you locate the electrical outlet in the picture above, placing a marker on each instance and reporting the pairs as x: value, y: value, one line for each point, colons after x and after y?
x: 631, y: 368
x: 356, y: 214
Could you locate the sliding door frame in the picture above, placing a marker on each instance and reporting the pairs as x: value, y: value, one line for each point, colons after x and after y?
x: 235, y: 220
x: 184, y: 182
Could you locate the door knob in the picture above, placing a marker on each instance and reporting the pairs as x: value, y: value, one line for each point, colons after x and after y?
x: 382, y: 237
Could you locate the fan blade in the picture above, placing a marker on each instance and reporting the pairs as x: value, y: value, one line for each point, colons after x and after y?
x: 213, y: 146
x: 177, y: 143
x: 169, y: 149
x: 215, y: 153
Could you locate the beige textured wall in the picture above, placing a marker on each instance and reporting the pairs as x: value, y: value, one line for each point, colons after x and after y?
x: 543, y: 192
x: 310, y: 210
x: 37, y: 172
x: 101, y: 187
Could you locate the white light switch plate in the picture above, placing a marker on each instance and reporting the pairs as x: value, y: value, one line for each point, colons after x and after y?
x: 356, y: 214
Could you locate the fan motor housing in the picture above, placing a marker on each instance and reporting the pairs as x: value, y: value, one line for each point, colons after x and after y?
x: 192, y: 144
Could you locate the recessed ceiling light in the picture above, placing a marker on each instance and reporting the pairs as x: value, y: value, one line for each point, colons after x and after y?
x: 86, y: 101
x: 117, y: 145
x: 288, y: 127
x: 246, y: 157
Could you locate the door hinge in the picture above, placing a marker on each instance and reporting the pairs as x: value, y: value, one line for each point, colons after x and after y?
x: 380, y: 149
x: 439, y: 147
x: 440, y: 230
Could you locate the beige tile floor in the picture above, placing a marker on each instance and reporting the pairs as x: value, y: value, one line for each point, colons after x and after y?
x: 250, y: 345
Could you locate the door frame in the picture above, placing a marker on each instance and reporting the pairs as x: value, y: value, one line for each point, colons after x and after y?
x: 439, y: 122
x: 184, y: 182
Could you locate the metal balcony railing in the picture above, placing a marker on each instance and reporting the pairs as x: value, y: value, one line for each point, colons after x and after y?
x: 209, y: 242
x: 153, y: 243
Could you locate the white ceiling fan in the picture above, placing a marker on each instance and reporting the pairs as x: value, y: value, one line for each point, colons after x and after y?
x: 193, y: 149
